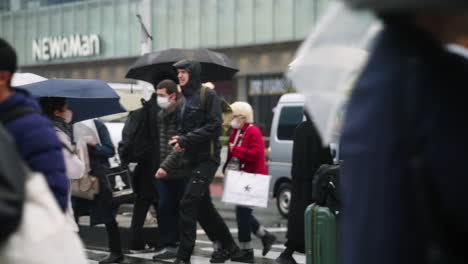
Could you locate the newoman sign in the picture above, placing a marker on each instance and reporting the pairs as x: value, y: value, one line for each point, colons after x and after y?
x: 73, y: 46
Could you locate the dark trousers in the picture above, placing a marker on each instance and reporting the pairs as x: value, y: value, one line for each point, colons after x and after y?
x: 113, y: 237
x: 196, y: 205
x: 170, y: 194
x: 246, y: 223
x: 140, y: 209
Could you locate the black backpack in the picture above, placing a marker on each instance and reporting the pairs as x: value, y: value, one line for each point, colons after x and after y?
x: 134, y: 142
x: 325, y: 187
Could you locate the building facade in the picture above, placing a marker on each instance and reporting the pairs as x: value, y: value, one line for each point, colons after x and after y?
x: 100, y: 39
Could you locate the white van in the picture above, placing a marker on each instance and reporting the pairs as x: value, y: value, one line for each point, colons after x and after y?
x: 287, y: 115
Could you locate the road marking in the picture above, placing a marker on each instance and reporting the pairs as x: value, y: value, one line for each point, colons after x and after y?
x: 142, y: 255
x: 300, y: 258
x: 278, y: 246
x: 235, y: 230
x: 203, y: 242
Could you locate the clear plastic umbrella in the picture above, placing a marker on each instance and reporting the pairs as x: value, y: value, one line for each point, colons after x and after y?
x: 328, y: 62
x: 25, y: 78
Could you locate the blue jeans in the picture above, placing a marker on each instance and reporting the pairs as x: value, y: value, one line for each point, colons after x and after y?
x: 246, y: 223
x: 170, y: 193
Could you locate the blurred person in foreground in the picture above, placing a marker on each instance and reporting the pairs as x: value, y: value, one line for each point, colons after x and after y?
x: 198, y: 139
x: 172, y: 178
x: 12, y: 183
x: 32, y: 132
x: 56, y: 109
x: 404, y: 140
x: 307, y: 156
x: 247, y: 153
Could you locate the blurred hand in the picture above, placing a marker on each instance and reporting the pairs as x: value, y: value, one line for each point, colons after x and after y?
x: 177, y: 148
x: 209, y: 85
x: 161, y: 173
x: 174, y: 142
x: 231, y: 147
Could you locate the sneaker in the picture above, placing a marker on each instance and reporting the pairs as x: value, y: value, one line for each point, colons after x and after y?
x: 267, y: 241
x: 224, y: 254
x: 138, y: 250
x: 285, y: 260
x: 166, y: 253
x: 244, y: 255
x: 180, y: 261
x: 113, y: 258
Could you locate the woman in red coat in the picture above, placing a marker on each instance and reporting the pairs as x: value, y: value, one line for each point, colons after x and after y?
x: 247, y: 153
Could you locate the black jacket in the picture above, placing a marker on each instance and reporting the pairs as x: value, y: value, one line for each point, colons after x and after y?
x: 200, y: 124
x: 12, y: 182
x: 149, y: 163
x: 308, y: 155
x: 168, y: 126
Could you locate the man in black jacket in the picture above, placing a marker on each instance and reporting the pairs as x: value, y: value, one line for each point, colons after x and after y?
x: 308, y: 155
x: 148, y: 162
x: 199, y: 140
x: 171, y: 177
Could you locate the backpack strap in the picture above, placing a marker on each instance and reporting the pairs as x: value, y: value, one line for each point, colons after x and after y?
x: 203, y: 97
x: 203, y: 105
x: 15, y: 114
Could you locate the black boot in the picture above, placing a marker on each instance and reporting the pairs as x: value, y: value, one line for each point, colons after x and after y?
x: 113, y: 258
x: 224, y: 254
x: 267, y: 241
x: 244, y: 255
x: 285, y: 258
x: 180, y: 261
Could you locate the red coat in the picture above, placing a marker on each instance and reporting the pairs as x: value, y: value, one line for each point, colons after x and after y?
x: 251, y: 152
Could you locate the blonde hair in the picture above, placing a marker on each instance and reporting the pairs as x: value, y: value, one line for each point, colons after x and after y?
x: 244, y: 109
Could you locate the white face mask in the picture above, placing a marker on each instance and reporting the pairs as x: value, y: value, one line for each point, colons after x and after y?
x: 68, y: 116
x: 234, y: 123
x: 163, y: 102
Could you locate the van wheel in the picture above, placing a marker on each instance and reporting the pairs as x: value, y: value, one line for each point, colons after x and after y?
x: 283, y: 199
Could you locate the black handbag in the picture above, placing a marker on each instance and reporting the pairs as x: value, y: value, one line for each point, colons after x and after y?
x: 119, y: 182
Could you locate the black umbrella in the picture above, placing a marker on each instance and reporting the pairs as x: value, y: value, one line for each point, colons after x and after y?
x: 156, y: 66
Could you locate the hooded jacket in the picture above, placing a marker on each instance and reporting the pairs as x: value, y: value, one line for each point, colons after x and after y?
x: 200, y: 124
x: 37, y: 143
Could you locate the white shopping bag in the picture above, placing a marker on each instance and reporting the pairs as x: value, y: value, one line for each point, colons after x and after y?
x: 248, y: 189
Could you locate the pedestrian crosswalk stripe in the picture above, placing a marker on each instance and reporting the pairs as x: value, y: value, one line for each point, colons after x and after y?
x: 203, y: 242
x: 235, y: 230
x: 143, y: 255
x: 300, y: 258
x: 278, y: 246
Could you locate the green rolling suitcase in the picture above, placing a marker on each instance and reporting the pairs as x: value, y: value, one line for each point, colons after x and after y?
x: 320, y: 236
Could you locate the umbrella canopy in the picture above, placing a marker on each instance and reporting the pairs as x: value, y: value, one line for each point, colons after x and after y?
x: 20, y: 79
x: 155, y: 66
x: 329, y: 61
x: 86, y: 98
